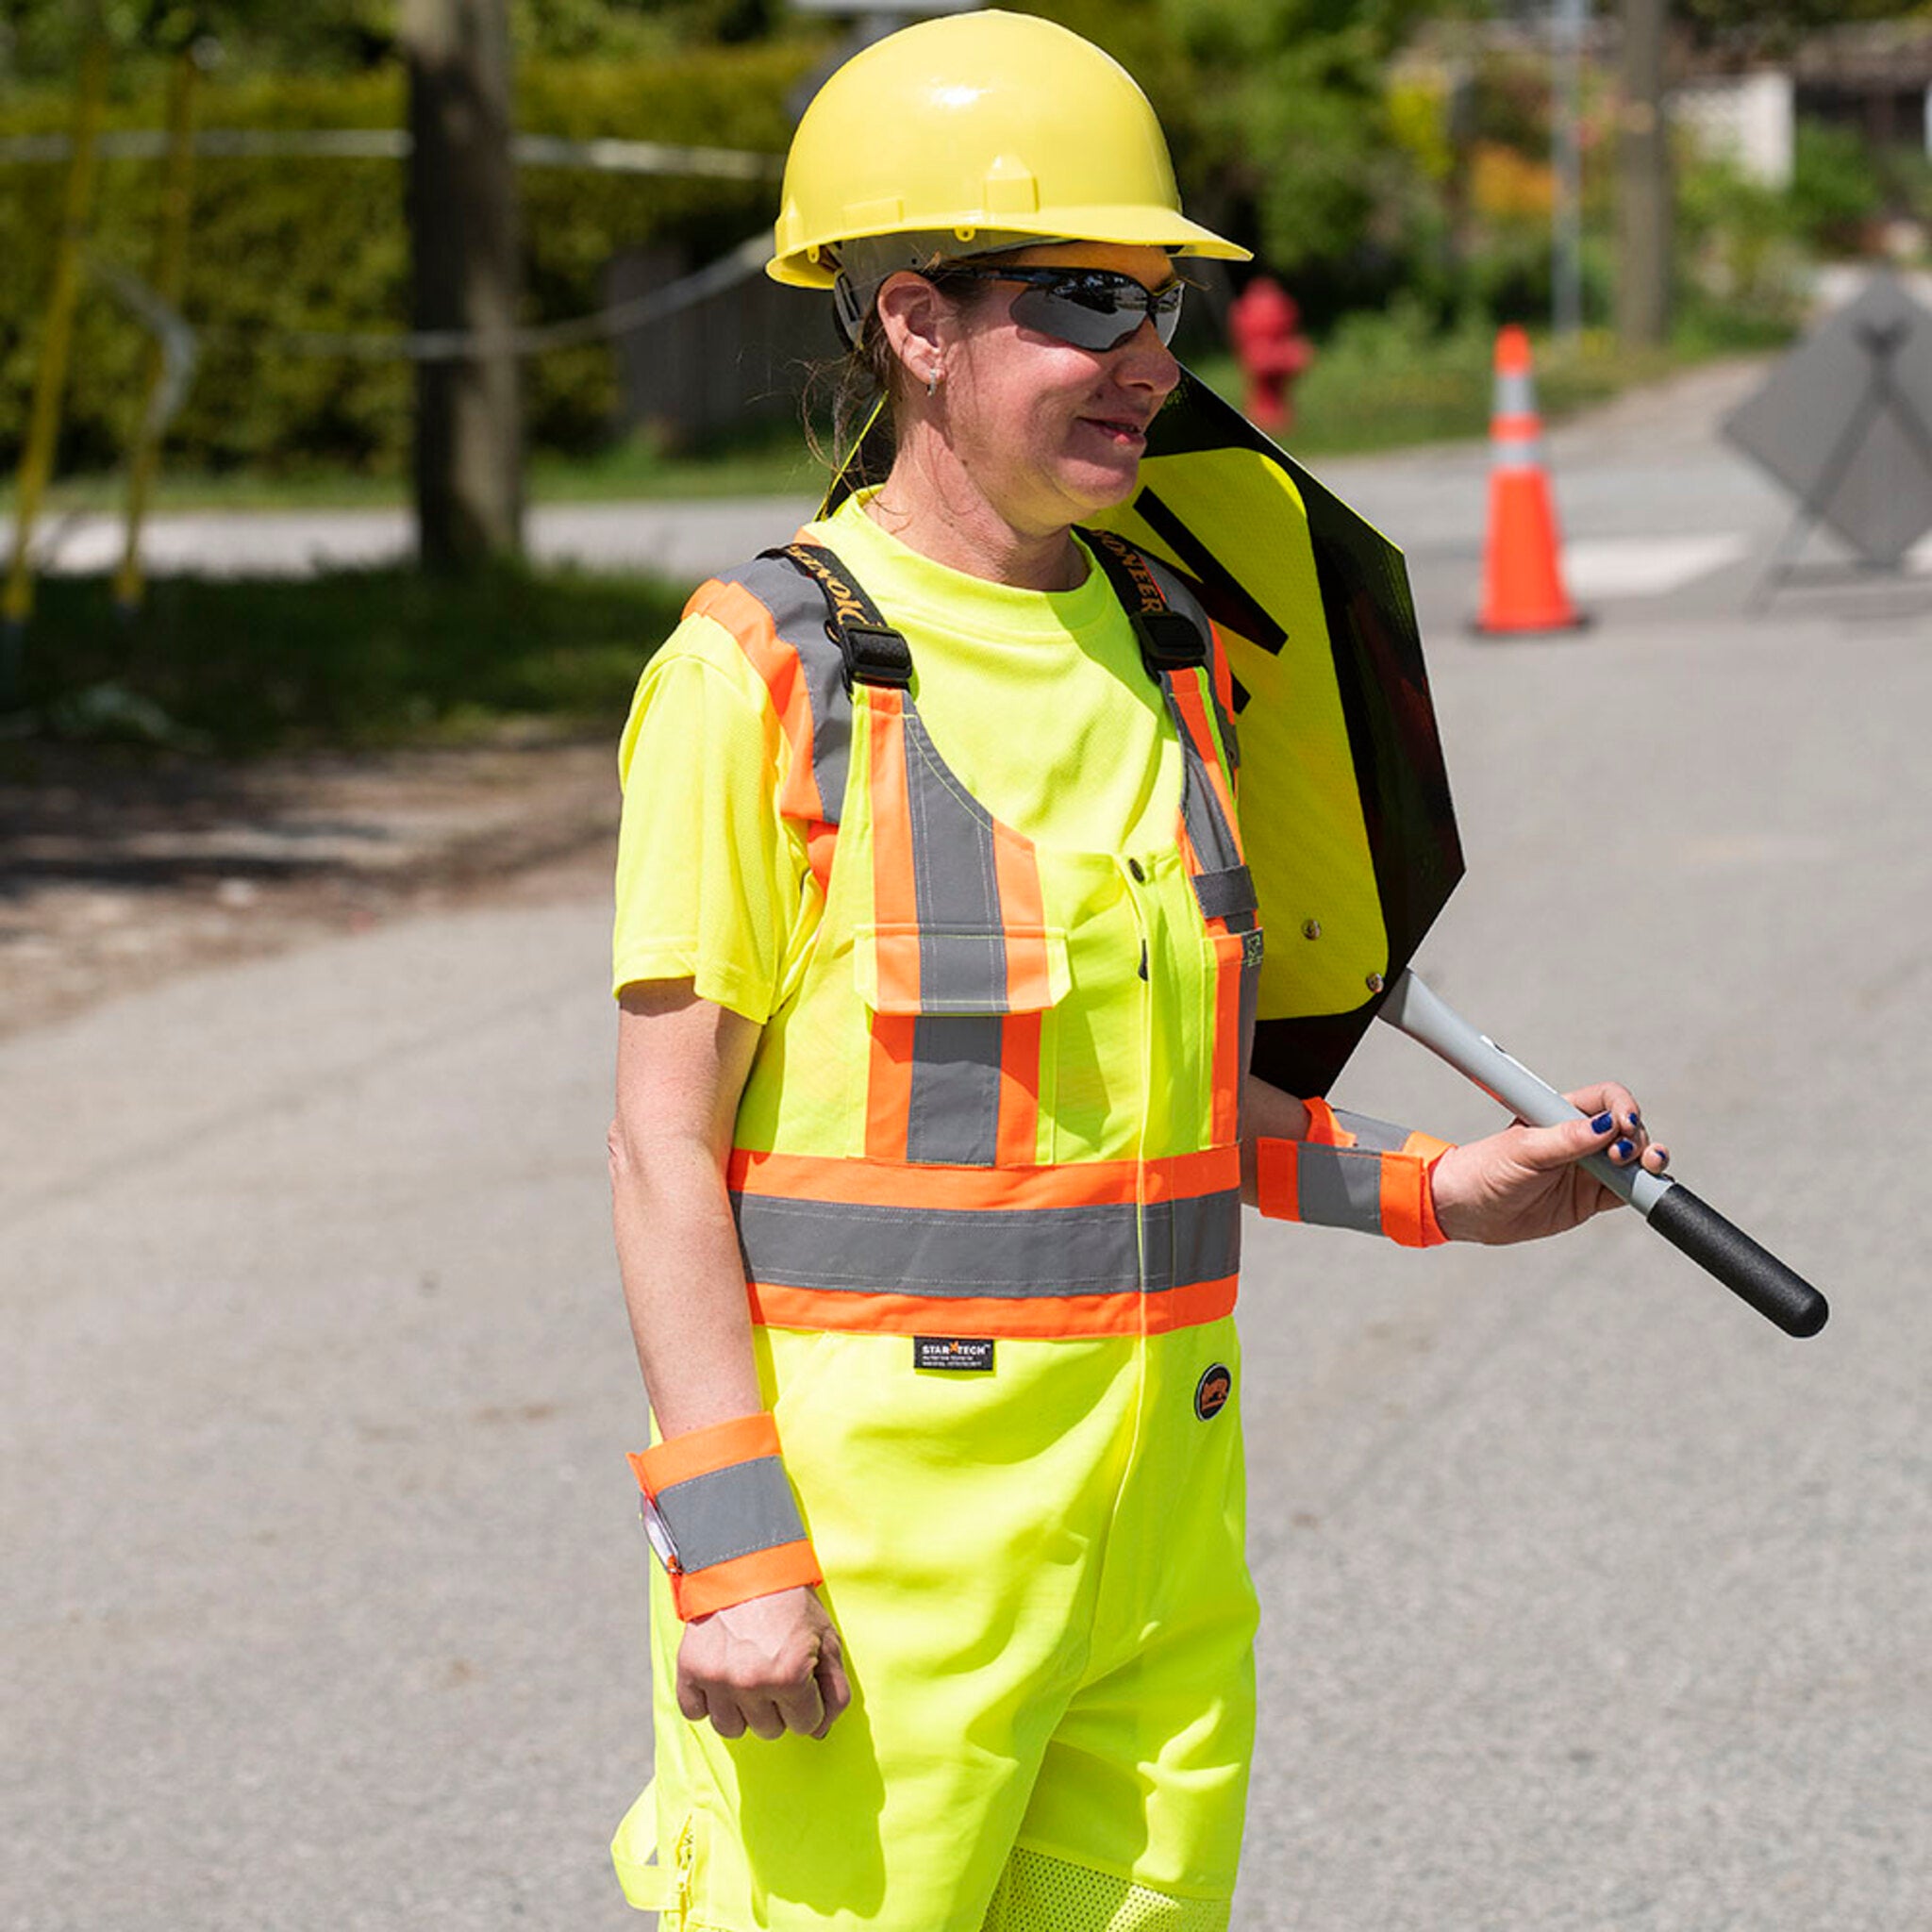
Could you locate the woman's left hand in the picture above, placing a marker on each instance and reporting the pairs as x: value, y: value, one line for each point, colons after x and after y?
x: 1524, y: 1183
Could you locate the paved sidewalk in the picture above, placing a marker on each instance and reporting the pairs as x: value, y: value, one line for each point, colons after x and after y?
x: 674, y: 540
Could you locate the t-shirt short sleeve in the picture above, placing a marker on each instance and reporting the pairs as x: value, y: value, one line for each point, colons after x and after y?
x: 713, y: 883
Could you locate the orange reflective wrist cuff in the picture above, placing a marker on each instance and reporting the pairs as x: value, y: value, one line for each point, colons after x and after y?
x: 720, y: 1513
x: 1356, y: 1173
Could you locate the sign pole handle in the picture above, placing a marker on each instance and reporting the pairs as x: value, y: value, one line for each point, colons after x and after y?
x: 1751, y: 1272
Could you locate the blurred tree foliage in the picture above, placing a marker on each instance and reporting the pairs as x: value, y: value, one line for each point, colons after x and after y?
x: 37, y: 37
x: 1280, y: 120
x: 283, y: 247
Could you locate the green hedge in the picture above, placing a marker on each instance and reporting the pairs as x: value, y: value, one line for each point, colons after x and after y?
x: 284, y: 245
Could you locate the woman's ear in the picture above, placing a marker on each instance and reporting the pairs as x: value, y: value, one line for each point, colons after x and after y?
x: 911, y: 312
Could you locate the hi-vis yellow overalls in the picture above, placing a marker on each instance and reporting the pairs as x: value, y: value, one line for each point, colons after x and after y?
x: 987, y: 1183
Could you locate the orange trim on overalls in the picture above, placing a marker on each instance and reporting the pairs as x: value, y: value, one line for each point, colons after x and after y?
x: 894, y: 1184
x: 1029, y: 990
x: 895, y: 904
x: 776, y: 663
x: 1221, y: 671
x: 1193, y: 709
x: 1230, y: 948
x: 1043, y: 1318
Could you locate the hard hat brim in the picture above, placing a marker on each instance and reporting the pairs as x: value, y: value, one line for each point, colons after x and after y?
x: 816, y: 267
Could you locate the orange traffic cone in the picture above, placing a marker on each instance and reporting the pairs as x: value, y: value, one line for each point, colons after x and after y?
x: 1523, y: 567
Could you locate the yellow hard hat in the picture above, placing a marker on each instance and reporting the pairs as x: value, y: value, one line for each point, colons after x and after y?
x: 979, y: 124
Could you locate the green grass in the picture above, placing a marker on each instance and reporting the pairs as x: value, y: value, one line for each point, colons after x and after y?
x: 350, y: 659
x: 1386, y: 382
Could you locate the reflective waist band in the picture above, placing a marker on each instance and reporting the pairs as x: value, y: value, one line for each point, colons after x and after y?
x: 925, y: 1183
x: 1092, y: 1248
x: 947, y: 1252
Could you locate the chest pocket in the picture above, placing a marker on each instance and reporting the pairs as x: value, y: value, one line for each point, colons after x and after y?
x: 961, y: 972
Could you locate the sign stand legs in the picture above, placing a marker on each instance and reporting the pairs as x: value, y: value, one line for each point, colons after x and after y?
x: 1882, y: 343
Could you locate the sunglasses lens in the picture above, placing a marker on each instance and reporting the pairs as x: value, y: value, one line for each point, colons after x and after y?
x: 1098, y: 311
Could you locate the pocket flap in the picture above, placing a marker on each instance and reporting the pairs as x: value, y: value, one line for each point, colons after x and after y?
x: 924, y: 969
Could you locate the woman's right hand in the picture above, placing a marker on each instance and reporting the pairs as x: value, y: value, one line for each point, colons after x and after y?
x: 769, y: 1665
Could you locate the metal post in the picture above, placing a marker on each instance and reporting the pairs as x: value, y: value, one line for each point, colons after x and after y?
x: 1644, y: 180
x: 44, y: 424
x: 171, y: 258
x: 1566, y: 277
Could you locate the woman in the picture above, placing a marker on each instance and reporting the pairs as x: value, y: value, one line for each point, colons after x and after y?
x: 932, y: 1127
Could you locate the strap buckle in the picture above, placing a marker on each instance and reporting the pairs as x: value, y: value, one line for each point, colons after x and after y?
x: 872, y: 651
x: 1168, y: 642
x: 873, y: 654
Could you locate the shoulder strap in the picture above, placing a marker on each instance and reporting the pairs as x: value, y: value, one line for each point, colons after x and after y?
x: 874, y: 652
x: 1169, y: 640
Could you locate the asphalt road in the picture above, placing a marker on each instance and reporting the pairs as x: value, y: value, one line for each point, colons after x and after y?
x: 1593, y: 1602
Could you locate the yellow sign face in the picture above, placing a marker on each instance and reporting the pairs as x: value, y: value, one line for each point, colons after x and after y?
x: 1300, y: 811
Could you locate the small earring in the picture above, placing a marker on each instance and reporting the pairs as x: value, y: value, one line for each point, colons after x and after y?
x: 932, y: 381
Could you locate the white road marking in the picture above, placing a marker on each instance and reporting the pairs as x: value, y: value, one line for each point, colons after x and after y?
x: 1601, y: 567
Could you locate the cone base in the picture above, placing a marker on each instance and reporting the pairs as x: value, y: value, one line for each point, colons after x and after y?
x: 1556, y: 624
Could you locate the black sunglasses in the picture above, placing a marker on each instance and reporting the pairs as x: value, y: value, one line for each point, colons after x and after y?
x: 1090, y: 307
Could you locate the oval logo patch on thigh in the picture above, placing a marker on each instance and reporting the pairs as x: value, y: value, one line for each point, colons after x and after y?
x: 1212, y: 1390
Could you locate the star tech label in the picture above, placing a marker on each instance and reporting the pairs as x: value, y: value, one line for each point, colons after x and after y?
x: 971, y: 1354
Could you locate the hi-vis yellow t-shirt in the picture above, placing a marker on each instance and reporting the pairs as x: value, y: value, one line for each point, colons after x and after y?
x: 1036, y: 699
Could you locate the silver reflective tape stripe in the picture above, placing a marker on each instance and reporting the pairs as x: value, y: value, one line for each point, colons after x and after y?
x: 955, y: 1109
x: 731, y: 1512
x: 961, y: 971
x: 953, y: 1114
x: 1516, y: 453
x: 1002, y: 1253
x: 1198, y: 1238
x: 798, y: 615
x: 1515, y: 394
x: 1339, y: 1187
x: 957, y: 884
x: 1372, y: 1137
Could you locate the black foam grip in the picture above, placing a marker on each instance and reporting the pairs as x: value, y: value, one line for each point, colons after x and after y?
x: 1744, y: 1267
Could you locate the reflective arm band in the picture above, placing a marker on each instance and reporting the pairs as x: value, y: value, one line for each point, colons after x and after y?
x: 721, y: 1515
x: 1353, y: 1172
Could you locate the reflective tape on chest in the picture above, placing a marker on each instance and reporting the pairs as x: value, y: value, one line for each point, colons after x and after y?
x: 963, y: 938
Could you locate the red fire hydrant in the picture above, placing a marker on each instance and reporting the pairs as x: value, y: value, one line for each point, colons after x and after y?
x: 1265, y: 321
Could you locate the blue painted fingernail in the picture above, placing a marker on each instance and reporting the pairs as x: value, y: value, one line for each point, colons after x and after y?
x: 1603, y: 1124
x: 1623, y: 1150
x: 1636, y: 1120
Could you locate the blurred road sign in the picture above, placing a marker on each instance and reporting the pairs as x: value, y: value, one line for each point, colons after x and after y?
x: 1842, y: 423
